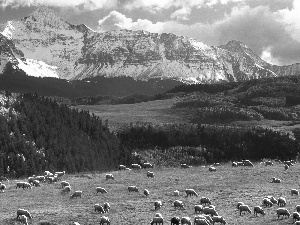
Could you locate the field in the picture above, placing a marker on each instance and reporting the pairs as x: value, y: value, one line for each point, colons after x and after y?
x: 225, y: 188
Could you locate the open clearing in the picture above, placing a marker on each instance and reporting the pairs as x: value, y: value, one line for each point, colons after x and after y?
x: 225, y: 188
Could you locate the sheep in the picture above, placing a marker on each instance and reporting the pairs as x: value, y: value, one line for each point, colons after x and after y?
x: 201, y: 221
x: 234, y: 164
x: 286, y: 167
x: 127, y: 168
x: 136, y: 166
x: 175, y: 220
x: 283, y: 212
x: 272, y: 199
x: 157, y: 220
x: 19, y: 184
x: 184, y: 166
x: 36, y: 183
x: 23, y: 212
x: 205, y: 200
x: 210, y: 211
x: 122, y: 167
x: 212, y: 206
x: 186, y: 220
x: 30, y: 179
x: 147, y: 165
x: 267, y: 202
x: 198, y: 208
x: 298, y: 208
x: 239, y: 203
x: 281, y: 201
x: 247, y: 162
x: 76, y: 194
x: 106, y: 207
x: 289, y: 163
x: 47, y: 173
x: 275, y: 180
x: 218, y: 219
x: 212, y: 169
x: 146, y: 192
x: 240, y: 163
x: 66, y: 189
x: 258, y: 209
x: 157, y: 205
x: 2, y: 187
x: 99, y: 208
x: 109, y: 176
x: 104, y: 219
x: 23, y: 219
x: 176, y: 193
x: 269, y: 163
x: 294, y: 191
x: 101, y: 190
x: 217, y: 164
x: 190, y: 192
x: 26, y: 185
x: 179, y: 204
x: 158, y: 215
x: 244, y: 208
x: 40, y: 178
x: 133, y: 189
x: 64, y: 184
x: 60, y: 174
x: 150, y: 174
x: 296, y: 216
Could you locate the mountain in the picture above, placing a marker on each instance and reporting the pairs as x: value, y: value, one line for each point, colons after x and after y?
x: 76, y: 52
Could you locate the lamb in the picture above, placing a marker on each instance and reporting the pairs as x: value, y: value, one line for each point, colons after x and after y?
x: 267, y: 202
x: 190, y: 192
x: 122, y: 167
x: 283, y: 212
x: 218, y: 219
x: 275, y: 180
x: 133, y: 189
x: 296, y: 216
x: 157, y: 220
x: 198, y: 208
x: 23, y: 212
x: 146, y: 192
x: 205, y: 200
x: 64, y: 184
x: 239, y: 203
x: 66, y: 189
x: 258, y: 209
x: 2, y: 187
x: 157, y: 205
x: 184, y: 166
x: 298, y: 208
x: 186, y: 220
x: 210, y: 211
x: 36, y: 183
x: 150, y: 174
x: 175, y: 220
x: 212, y: 169
x: 101, y: 190
x: 281, y: 201
x: 294, y: 192
x: 23, y: 219
x: 176, y: 193
x: 109, y: 176
x: 106, y: 207
x: 178, y: 203
x: 136, y: 166
x: 244, y: 208
x: 147, y: 165
x: 104, y: 219
x: 76, y: 194
x: 99, y: 208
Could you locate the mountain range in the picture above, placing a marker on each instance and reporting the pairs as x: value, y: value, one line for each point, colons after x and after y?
x: 45, y: 45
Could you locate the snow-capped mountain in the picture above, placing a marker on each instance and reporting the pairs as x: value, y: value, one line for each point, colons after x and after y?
x: 71, y: 51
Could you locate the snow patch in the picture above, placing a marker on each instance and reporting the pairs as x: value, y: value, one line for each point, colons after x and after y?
x: 8, y: 31
x: 198, y: 45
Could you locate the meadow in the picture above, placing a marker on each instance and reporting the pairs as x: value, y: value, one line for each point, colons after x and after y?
x: 225, y: 187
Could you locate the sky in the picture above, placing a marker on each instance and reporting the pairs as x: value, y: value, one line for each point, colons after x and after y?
x: 269, y: 27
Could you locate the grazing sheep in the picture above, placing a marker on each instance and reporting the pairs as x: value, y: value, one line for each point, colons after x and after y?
x: 122, y: 167
x: 19, y: 185
x: 217, y: 164
x: 23, y: 219
x: 26, y: 185
x: 133, y: 189
x: 286, y: 167
x: 294, y: 192
x: 146, y: 192
x: 60, y: 174
x: 23, y: 212
x: 76, y: 194
x: 275, y: 180
x: 175, y: 220
x: 186, y: 220
x: 157, y: 220
x: 210, y: 211
x: 128, y: 168
x: 258, y: 209
x: 36, y: 183
x: 269, y: 163
x: 104, y: 219
x: 47, y: 173
x: 218, y: 219
x: 30, y: 179
x: 184, y: 166
x: 179, y: 204
x: 205, y: 200
x: 150, y: 174
x: 176, y: 193
x: 136, y: 166
x: 2, y: 187
x: 296, y: 216
x: 106, y: 207
x: 101, y: 190
x: 190, y: 192
x: 234, y: 164
x: 239, y: 203
x: 109, y: 176
x: 289, y: 163
x: 281, y: 201
x: 244, y: 208
x: 64, y: 184
x: 40, y: 178
x: 283, y: 212
x: 157, y: 205
x: 198, y: 208
x: 99, y: 208
x: 212, y: 169
x: 147, y: 165
x: 267, y: 202
x: 240, y: 163
x: 66, y: 189
x: 298, y: 208
x: 203, y: 220
x: 272, y: 199
x: 247, y: 163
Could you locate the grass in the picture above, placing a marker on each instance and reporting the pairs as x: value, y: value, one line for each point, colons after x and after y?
x: 225, y: 188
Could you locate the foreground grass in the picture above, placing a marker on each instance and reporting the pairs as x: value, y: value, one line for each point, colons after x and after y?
x: 225, y: 188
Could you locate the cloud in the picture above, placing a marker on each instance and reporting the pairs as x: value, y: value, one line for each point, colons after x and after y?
x: 82, y: 4
x: 181, y: 14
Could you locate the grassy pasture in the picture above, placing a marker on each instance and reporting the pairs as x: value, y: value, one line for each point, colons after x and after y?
x: 225, y: 188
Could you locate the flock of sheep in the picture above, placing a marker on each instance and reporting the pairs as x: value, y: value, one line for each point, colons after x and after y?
x: 206, y: 213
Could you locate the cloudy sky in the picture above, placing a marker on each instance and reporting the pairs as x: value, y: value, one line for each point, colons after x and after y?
x: 269, y: 27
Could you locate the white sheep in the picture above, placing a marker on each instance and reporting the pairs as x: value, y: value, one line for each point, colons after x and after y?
x: 27, y: 185
x: 198, y: 208
x: 247, y: 163
x: 23, y: 219
x: 294, y: 192
x: 212, y: 169
x: 66, y: 189
x: 298, y: 208
x: 234, y: 164
x: 240, y: 163
x: 76, y: 194
x: 281, y: 201
x: 184, y: 166
x: 36, y: 183
x: 296, y: 216
x: 210, y: 211
x: 2, y: 187
x: 157, y: 220
x: 122, y: 167
x: 136, y: 166
x: 179, y: 204
x: 147, y: 165
x: 267, y: 202
x: 205, y: 200
x: 176, y: 193
x: 101, y: 190
x: 258, y: 210
x: 203, y: 220
x: 104, y: 219
x: 239, y: 203
x: 157, y: 205
x: 146, y: 192
x: 60, y: 174
x: 186, y: 220
x: 23, y: 212
x: 133, y: 189
x: 150, y: 174
x: 109, y: 176
x: 99, y: 208
x: 30, y: 179
x: 275, y: 180
x: 64, y: 184
x: 272, y: 199
x: 190, y: 192
x: 106, y: 207
x: 244, y: 208
x: 283, y: 212
x: 40, y: 178
x: 218, y: 219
